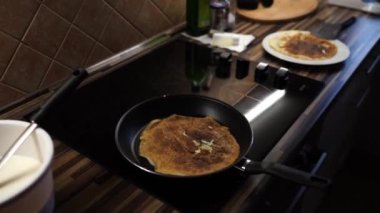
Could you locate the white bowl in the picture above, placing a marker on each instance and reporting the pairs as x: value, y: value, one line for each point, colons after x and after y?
x: 32, y: 192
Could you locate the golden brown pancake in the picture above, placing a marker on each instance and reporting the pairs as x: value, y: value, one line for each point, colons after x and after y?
x: 188, y: 146
x: 303, y: 45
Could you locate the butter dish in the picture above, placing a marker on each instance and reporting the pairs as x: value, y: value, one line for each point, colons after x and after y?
x: 231, y: 41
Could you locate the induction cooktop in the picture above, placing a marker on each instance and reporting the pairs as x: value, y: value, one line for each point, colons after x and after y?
x: 86, y: 120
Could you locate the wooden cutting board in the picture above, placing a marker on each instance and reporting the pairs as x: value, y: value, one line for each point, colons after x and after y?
x: 281, y: 10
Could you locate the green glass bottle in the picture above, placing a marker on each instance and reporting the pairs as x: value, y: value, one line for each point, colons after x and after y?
x: 198, y: 17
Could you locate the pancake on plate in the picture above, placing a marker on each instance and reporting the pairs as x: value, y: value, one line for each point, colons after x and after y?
x: 302, y: 45
x: 188, y: 146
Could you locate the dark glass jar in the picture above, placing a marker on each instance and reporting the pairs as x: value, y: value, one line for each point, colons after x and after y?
x: 219, y: 15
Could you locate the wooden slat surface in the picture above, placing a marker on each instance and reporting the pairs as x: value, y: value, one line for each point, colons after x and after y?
x: 83, y: 186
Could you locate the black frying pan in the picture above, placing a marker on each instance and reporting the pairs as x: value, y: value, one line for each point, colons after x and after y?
x: 134, y: 120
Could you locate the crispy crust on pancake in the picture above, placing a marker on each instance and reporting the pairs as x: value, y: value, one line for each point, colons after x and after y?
x: 188, y: 146
x: 303, y: 45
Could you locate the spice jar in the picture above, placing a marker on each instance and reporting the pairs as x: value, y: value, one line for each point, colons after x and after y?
x: 219, y: 15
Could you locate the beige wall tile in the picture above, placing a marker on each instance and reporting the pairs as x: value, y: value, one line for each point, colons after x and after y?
x: 98, y: 53
x: 173, y: 9
x: 27, y: 69
x: 66, y: 8
x: 7, y: 48
x: 56, y: 73
x: 151, y: 20
x: 8, y: 95
x: 112, y: 2
x: 73, y: 33
x: 163, y: 4
x: 92, y: 17
x: 47, y: 32
x: 15, y: 15
x: 119, y: 34
x: 129, y: 8
x: 75, y: 49
x: 176, y: 11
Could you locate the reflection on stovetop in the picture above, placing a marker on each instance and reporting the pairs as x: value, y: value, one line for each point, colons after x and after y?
x: 87, y: 120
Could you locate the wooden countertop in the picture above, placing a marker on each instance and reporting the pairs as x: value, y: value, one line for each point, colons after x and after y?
x: 81, y: 185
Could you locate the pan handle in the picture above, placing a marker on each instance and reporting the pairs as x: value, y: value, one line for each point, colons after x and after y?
x: 288, y: 173
x: 70, y: 84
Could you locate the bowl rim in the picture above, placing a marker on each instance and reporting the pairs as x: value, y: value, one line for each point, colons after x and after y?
x: 45, y: 165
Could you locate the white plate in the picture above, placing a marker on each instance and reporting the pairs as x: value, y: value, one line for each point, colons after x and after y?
x: 343, y: 52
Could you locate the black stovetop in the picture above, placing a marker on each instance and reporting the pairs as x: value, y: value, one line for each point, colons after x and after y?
x: 86, y: 121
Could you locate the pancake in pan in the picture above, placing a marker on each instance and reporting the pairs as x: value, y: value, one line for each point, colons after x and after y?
x: 188, y: 146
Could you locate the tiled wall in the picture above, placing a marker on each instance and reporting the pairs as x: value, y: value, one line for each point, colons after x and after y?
x: 42, y: 41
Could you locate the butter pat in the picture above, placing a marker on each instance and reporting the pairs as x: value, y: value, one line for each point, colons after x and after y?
x: 224, y: 40
x: 231, y: 41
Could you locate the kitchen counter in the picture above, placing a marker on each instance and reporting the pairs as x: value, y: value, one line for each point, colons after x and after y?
x: 82, y: 185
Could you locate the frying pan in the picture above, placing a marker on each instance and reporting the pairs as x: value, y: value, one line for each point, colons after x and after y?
x: 133, y: 121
